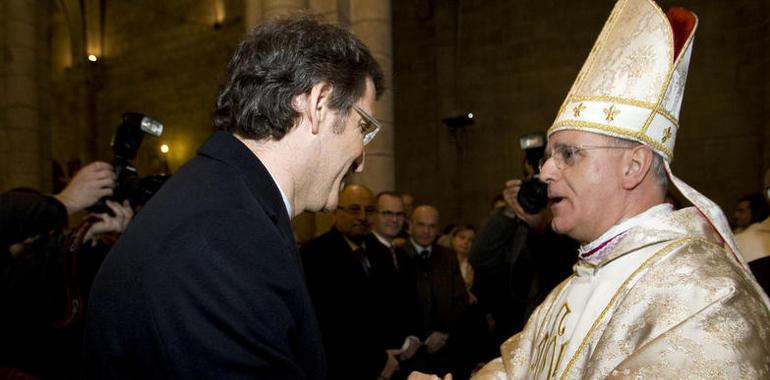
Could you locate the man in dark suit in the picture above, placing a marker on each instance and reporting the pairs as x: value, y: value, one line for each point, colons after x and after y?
x: 347, y: 284
x: 207, y: 282
x: 441, y: 291
x: 403, y: 310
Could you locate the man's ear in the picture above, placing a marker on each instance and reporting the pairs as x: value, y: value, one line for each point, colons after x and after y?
x: 317, y: 104
x: 638, y: 161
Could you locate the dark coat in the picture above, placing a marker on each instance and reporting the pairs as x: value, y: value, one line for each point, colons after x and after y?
x: 516, y: 268
x: 206, y: 282
x: 401, y: 305
x: 440, y: 288
x: 348, y: 302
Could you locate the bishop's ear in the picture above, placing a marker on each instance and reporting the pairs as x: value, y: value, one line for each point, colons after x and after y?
x: 638, y: 161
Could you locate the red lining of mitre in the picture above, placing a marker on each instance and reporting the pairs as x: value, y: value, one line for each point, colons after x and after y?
x: 682, y: 24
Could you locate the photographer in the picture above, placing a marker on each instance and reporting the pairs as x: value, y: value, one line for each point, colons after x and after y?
x: 517, y: 256
x: 37, y: 281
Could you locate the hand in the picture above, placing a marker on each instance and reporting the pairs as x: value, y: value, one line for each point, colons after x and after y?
x: 410, y: 347
x: 421, y: 376
x: 391, y: 365
x: 123, y: 214
x: 436, y: 341
x: 513, y: 208
x: 472, y: 299
x: 90, y: 183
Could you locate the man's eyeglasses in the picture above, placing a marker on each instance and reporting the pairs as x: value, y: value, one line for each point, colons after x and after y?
x: 565, y: 155
x: 391, y: 214
x: 368, y: 124
x: 356, y: 210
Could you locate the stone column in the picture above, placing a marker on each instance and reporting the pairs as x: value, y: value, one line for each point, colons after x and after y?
x: 252, y: 14
x: 272, y: 8
x: 21, y: 155
x: 371, y: 22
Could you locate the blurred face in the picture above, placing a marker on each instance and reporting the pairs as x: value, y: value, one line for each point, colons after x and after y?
x: 586, y: 195
x: 461, y: 241
x: 343, y: 145
x: 390, y: 216
x: 424, y: 225
x: 356, y: 205
x: 408, y: 204
x: 743, y: 214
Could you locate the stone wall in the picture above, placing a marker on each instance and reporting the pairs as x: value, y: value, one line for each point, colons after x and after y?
x: 164, y: 59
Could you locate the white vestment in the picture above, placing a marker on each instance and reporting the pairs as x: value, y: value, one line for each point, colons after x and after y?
x: 657, y: 296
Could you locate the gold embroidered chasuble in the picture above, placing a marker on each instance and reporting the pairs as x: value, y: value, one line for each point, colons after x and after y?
x: 662, y: 299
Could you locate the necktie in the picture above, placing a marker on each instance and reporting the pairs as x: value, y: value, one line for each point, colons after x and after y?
x: 394, y: 257
x: 360, y: 256
x: 425, y: 254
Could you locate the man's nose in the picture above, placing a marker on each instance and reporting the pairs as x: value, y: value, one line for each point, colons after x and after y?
x: 548, y: 171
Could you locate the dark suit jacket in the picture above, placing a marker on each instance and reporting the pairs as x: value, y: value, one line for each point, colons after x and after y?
x: 348, y: 305
x: 440, y: 288
x: 401, y: 305
x: 206, y: 282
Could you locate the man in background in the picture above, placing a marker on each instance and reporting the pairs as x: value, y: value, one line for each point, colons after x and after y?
x: 348, y: 283
x: 754, y: 243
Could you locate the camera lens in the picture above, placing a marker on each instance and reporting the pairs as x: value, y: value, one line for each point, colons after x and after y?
x: 533, y: 195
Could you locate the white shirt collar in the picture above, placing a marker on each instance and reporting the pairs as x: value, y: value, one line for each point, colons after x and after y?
x: 286, y: 202
x: 420, y: 248
x: 382, y: 240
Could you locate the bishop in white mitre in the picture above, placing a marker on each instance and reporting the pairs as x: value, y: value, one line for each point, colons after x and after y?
x: 656, y: 293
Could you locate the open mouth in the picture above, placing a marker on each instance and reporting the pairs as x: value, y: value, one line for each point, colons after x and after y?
x: 556, y: 199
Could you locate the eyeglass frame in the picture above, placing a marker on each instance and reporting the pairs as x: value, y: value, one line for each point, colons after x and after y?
x: 576, y: 149
x: 391, y: 214
x: 370, y: 126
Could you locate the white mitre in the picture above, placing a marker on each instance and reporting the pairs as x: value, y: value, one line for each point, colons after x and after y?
x: 632, y: 84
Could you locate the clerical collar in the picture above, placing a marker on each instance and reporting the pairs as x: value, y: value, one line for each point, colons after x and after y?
x: 596, y: 251
x: 382, y: 240
x: 283, y: 195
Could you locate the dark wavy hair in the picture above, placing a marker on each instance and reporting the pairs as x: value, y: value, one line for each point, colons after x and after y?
x: 286, y: 57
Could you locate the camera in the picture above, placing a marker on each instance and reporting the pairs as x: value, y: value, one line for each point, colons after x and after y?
x: 125, y: 145
x: 533, y: 194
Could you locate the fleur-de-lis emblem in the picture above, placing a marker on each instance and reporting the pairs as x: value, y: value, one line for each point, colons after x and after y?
x: 578, y: 109
x: 611, y: 113
x: 666, y: 135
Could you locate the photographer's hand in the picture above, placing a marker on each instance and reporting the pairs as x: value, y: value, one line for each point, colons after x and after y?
x: 514, y: 210
x: 123, y: 214
x: 89, y: 184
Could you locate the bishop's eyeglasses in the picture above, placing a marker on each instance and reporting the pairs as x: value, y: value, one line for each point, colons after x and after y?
x: 565, y: 155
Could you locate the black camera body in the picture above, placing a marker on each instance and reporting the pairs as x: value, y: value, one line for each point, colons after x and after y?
x: 125, y: 145
x: 533, y: 194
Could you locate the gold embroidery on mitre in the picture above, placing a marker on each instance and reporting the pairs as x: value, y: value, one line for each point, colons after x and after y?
x: 578, y: 109
x: 611, y: 113
x: 666, y: 135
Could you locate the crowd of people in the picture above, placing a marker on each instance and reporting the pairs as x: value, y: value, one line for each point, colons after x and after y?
x: 601, y: 277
